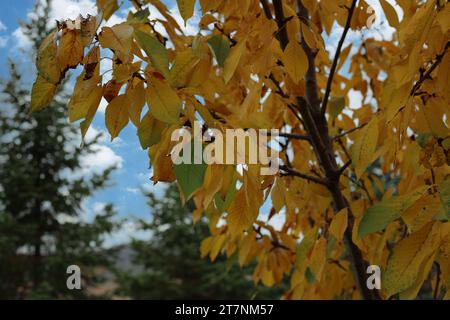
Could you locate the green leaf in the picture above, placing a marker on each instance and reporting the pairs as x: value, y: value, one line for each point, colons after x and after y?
x: 335, y: 106
x: 309, y: 276
x: 190, y: 176
x: 223, y: 205
x: 444, y: 194
x: 149, y: 131
x: 220, y: 46
x: 382, y: 213
x: 154, y: 50
x: 423, y: 138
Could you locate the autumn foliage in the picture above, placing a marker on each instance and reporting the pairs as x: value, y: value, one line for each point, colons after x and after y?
x: 357, y: 186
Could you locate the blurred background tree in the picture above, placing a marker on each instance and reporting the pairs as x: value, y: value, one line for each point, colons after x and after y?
x: 169, y: 266
x: 42, y: 188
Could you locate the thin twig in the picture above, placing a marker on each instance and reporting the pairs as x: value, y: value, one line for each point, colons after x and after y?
x: 292, y: 172
x: 426, y: 75
x: 336, y: 57
x: 343, y: 134
x: 278, y: 85
x: 296, y: 136
x: 345, y: 166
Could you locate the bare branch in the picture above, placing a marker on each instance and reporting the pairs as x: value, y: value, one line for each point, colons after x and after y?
x: 336, y: 57
x: 426, y: 75
x: 294, y: 111
x: 345, y: 166
x: 343, y: 134
x: 266, y: 9
x: 291, y: 136
x: 292, y: 172
x: 278, y: 85
x: 279, y: 16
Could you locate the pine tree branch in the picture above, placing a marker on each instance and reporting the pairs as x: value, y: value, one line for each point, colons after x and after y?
x: 336, y: 57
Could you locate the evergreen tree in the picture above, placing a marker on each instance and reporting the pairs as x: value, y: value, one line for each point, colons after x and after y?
x: 169, y: 266
x: 42, y: 188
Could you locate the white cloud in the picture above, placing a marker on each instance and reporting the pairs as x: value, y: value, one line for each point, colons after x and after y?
x: 62, y: 10
x: 71, y: 9
x: 149, y: 186
x: 2, y: 26
x: 129, y: 230
x: 98, y: 208
x: 3, y: 41
x: 133, y: 190
x: 20, y: 39
x: 102, y: 158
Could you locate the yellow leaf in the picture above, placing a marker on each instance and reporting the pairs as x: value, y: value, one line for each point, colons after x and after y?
x: 136, y: 95
x: 186, y: 8
x: 85, y: 95
x: 42, y: 94
x: 160, y: 158
x: 212, y: 184
x: 82, y: 101
x: 363, y: 150
x: 339, y: 224
x: 295, y: 61
x: 47, y: 62
x: 217, y: 246
x: 84, y: 126
x: 422, y: 211
x: 88, y: 29
x: 407, y: 257
x: 70, y: 49
x: 278, y: 195
x: 244, y: 210
x: 205, y: 246
x: 118, y: 38
x: 108, y: 7
x: 391, y: 14
x: 318, y: 258
x: 184, y: 62
x: 199, y: 74
x: 232, y: 61
x: 116, y: 115
x: 163, y: 101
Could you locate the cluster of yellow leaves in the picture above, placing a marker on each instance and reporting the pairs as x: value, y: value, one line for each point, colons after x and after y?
x: 235, y: 74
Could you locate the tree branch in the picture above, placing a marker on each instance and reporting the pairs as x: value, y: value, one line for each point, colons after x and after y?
x: 266, y: 9
x: 336, y: 57
x: 295, y: 136
x: 345, y: 166
x: 427, y: 74
x: 280, y: 19
x: 295, y: 173
x: 343, y: 134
